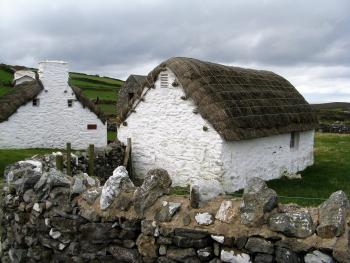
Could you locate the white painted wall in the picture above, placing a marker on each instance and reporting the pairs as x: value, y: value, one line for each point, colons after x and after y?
x: 53, y: 123
x: 166, y: 133
x: 267, y: 158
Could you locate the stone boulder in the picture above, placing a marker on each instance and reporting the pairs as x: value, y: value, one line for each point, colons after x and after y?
x: 332, y: 215
x: 259, y: 245
x: 167, y: 211
x: 228, y: 255
x: 226, y: 212
x: 285, y: 255
x: 257, y: 200
x: 115, y: 184
x: 53, y: 178
x: 157, y: 182
x: 292, y: 224
x: 317, y: 257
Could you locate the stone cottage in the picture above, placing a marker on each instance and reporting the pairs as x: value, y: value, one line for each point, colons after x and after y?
x: 22, y: 76
x: 217, y: 125
x: 46, y: 112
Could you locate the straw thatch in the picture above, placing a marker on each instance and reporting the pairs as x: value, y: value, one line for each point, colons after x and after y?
x: 132, y: 85
x: 21, y: 94
x: 239, y: 103
x: 86, y: 102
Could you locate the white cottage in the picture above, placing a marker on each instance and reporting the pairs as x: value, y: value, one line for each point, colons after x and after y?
x: 48, y: 113
x: 217, y: 125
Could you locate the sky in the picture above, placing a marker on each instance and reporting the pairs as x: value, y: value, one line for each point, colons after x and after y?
x: 307, y: 42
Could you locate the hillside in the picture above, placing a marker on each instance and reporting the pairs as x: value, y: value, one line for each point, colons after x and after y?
x: 105, y: 89
x: 329, y: 113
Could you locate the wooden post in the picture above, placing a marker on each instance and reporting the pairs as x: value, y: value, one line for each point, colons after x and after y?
x: 59, y: 162
x: 69, y: 159
x: 127, y: 162
x: 91, y: 159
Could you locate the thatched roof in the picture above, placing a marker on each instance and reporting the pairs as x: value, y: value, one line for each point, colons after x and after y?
x: 21, y: 94
x: 239, y: 103
x: 26, y: 92
x: 133, y: 84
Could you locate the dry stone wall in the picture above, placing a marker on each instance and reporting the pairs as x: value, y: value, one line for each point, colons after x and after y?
x: 48, y: 216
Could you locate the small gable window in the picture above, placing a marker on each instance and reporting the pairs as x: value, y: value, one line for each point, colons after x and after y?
x: 163, y: 80
x: 294, y: 140
x: 70, y: 103
x: 36, y: 102
x: 92, y: 126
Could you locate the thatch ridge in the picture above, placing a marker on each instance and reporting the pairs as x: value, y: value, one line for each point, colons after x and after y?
x: 240, y: 103
x: 21, y: 94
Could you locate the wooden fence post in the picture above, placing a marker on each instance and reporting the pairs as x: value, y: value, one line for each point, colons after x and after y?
x: 59, y: 162
x: 127, y: 162
x: 91, y: 159
x: 69, y: 159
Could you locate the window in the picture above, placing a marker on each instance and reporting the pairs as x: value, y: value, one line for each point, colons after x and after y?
x: 163, y: 80
x: 70, y: 103
x: 130, y: 95
x: 294, y: 140
x: 36, y: 102
x: 92, y: 126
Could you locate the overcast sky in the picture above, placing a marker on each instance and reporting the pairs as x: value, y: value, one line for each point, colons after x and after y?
x: 306, y: 41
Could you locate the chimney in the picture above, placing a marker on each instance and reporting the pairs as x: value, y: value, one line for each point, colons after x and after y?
x: 53, y: 74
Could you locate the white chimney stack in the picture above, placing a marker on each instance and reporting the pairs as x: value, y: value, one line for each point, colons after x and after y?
x: 53, y: 74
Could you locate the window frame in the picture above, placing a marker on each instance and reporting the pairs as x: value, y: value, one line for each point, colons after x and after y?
x: 70, y: 103
x: 36, y: 102
x: 294, y: 140
x: 91, y: 127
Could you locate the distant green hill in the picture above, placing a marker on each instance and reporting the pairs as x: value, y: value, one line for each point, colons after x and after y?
x: 331, y: 112
x: 103, y: 89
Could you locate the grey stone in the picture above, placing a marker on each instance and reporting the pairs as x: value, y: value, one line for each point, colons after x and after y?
x: 123, y: 202
x: 229, y: 255
x: 164, y: 240
x: 52, y: 178
x: 205, y: 254
x: 115, y: 184
x: 98, y: 231
x: 167, y: 211
x: 194, y: 196
x: 259, y: 245
x: 180, y: 254
x: 147, y: 246
x: 332, y: 215
x: 17, y: 255
x: 92, y: 194
x: 157, y: 182
x: 263, y: 258
x: 30, y: 196
x: 78, y: 185
x: 257, y: 200
x: 191, y: 233
x: 162, y: 250
x: 185, y: 242
x: 150, y: 228
x: 317, y: 257
x: 240, y: 242
x: 125, y: 254
x: 292, y: 224
x: 186, y: 219
x: 284, y: 255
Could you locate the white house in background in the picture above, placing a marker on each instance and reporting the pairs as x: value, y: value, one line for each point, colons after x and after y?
x: 47, y: 112
x: 22, y: 76
x: 217, y: 125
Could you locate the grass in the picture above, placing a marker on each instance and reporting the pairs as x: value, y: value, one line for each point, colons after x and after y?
x: 5, y: 75
x: 329, y: 173
x: 104, y: 95
x: 108, y: 108
x: 108, y: 80
x: 111, y: 135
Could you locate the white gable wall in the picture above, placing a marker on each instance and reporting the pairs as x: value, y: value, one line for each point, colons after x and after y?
x: 24, y: 73
x: 167, y: 134
x: 23, y: 79
x: 52, y: 123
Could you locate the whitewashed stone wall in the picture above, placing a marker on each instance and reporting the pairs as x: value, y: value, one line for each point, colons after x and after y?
x: 23, y: 73
x: 166, y: 133
x: 52, y: 123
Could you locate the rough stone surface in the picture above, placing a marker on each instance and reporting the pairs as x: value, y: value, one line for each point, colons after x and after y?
x: 92, y: 194
x: 147, y: 246
x: 293, y: 224
x: 284, y: 255
x: 180, y: 254
x: 317, y: 257
x: 157, y: 182
x: 204, y: 218
x: 234, y: 257
x: 332, y: 214
x: 259, y: 245
x: 115, y: 184
x: 125, y: 254
x: 226, y: 212
x: 167, y: 211
x: 263, y: 258
x: 257, y: 200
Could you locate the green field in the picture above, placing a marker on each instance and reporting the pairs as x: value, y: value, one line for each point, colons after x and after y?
x: 5, y: 89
